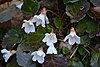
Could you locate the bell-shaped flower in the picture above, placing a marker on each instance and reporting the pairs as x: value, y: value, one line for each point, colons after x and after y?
x: 50, y: 38
x: 38, y: 55
x: 51, y: 50
x: 28, y: 26
x: 41, y: 19
x: 7, y: 54
x: 72, y: 37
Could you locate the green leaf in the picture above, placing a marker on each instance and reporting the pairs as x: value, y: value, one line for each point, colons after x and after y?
x: 12, y: 36
x: 65, y: 50
x: 58, y: 23
x: 78, y: 64
x: 82, y: 51
x: 74, y: 8
x: 75, y: 62
x: 30, y: 6
x: 85, y: 40
x: 91, y: 26
x: 81, y: 27
x: 88, y: 25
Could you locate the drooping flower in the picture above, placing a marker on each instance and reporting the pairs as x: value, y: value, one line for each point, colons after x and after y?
x: 28, y: 26
x: 7, y: 54
x: 50, y: 38
x: 38, y: 55
x: 41, y: 19
x: 51, y: 50
x: 72, y: 37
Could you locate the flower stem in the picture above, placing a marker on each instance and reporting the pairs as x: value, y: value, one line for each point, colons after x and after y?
x: 53, y: 13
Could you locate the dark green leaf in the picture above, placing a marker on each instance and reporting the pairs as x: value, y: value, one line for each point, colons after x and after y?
x: 65, y: 50
x: 77, y: 10
x: 91, y: 26
x: 12, y: 36
x: 76, y: 62
x: 88, y: 25
x: 85, y: 40
x: 30, y: 6
x: 82, y: 51
x: 58, y: 23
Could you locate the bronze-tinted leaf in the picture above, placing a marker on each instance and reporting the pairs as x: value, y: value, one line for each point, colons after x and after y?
x: 96, y: 12
x: 55, y: 61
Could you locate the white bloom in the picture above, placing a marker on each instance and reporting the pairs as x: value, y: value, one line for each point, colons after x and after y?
x: 41, y: 19
x: 51, y: 50
x: 72, y: 37
x: 19, y: 5
x: 39, y: 56
x: 29, y: 26
x: 7, y: 54
x: 50, y: 38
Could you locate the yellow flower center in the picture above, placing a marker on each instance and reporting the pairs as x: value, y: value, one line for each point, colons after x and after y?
x: 51, y: 37
x: 30, y: 24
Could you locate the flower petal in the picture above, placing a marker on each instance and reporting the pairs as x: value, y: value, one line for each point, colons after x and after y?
x: 77, y: 39
x: 46, y: 37
x: 27, y: 29
x: 19, y: 5
x: 55, y: 38
x: 34, y: 58
x: 40, y: 52
x: 23, y: 25
x: 66, y: 38
x: 6, y: 54
x: 47, y: 20
x: 38, y: 22
x: 33, y: 53
x: 51, y: 50
x: 32, y: 28
x: 40, y: 59
x: 4, y: 51
x: 71, y: 40
x: 49, y: 42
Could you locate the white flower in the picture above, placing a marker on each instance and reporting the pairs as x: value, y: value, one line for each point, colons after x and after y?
x: 7, y: 54
x: 39, y: 56
x: 19, y: 5
x: 50, y: 38
x: 29, y: 26
x: 51, y: 50
x: 41, y: 19
x: 72, y: 37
